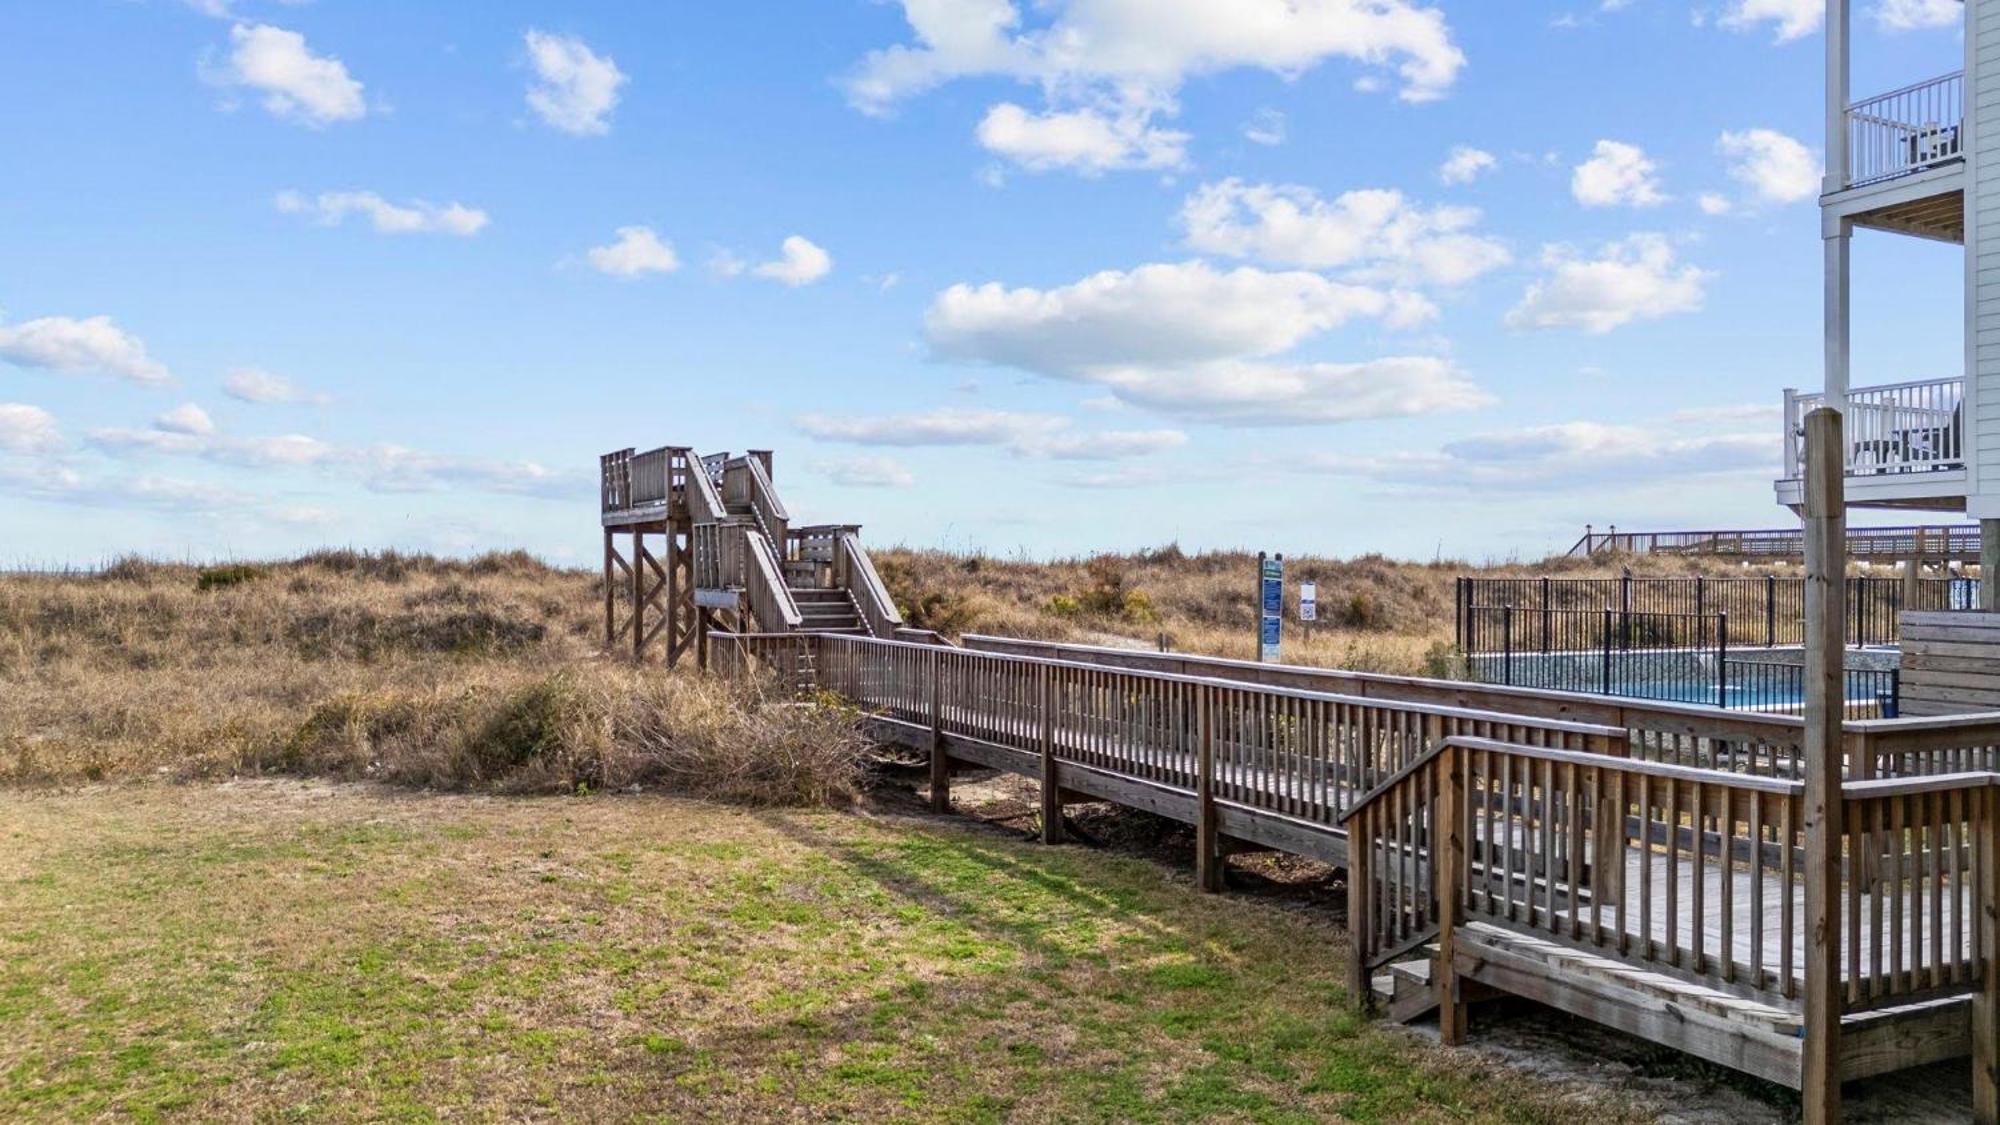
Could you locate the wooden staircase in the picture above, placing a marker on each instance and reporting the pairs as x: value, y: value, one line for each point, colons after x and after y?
x: 828, y: 611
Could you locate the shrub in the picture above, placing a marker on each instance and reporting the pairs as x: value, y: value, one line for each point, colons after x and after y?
x: 223, y: 577
x: 1062, y: 605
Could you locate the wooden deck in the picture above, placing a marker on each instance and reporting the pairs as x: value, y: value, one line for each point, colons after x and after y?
x: 1656, y: 897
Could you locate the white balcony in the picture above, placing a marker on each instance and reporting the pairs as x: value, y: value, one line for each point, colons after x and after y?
x: 1905, y: 444
x: 1906, y: 131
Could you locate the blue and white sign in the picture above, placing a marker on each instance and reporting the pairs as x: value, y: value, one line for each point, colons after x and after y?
x: 1308, y: 601
x: 1271, y: 580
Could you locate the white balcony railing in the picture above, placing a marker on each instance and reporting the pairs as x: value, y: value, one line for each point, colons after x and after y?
x: 1902, y: 428
x: 1906, y: 130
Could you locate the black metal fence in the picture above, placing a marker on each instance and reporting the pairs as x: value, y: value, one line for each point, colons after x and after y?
x: 1672, y: 657
x: 1567, y: 614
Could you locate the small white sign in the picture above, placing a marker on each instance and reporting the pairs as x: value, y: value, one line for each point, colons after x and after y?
x: 1308, y: 601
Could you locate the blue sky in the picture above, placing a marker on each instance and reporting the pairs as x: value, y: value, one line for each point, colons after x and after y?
x: 1053, y: 277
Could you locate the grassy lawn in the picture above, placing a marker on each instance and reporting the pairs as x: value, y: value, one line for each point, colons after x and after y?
x: 292, y: 949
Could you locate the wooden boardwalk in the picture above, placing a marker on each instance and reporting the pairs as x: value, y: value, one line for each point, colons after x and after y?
x: 1580, y: 863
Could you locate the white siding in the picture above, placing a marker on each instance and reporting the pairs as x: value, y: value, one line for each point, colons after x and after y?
x: 1982, y: 250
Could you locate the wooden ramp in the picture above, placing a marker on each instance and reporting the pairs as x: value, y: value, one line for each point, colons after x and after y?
x: 1534, y: 856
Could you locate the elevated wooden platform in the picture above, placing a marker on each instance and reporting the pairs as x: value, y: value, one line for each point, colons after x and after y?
x: 1535, y: 856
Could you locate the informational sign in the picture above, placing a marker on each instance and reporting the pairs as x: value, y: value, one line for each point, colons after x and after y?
x: 1308, y: 601
x: 1271, y: 590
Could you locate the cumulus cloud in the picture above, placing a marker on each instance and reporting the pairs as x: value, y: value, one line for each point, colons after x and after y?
x: 252, y: 384
x: 1774, y: 167
x: 866, y: 472
x: 575, y: 89
x: 297, y: 84
x: 1191, y: 340
x: 61, y: 484
x: 1377, y: 233
x: 414, y: 217
x: 636, y: 252
x: 1617, y: 174
x: 799, y: 262
x: 1558, y: 456
x: 187, y: 418
x: 1918, y: 15
x: 1791, y: 19
x: 28, y: 429
x: 1082, y: 140
x: 93, y: 345
x: 1466, y: 164
x: 1265, y: 127
x: 1637, y: 278
x: 1108, y: 71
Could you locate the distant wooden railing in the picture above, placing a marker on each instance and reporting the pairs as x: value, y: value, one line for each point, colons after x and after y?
x: 1943, y: 541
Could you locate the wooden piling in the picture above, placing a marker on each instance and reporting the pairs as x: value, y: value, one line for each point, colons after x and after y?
x: 1825, y: 519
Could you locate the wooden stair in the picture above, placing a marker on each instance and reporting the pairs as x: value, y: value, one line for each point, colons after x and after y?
x: 828, y: 611
x: 1403, y: 991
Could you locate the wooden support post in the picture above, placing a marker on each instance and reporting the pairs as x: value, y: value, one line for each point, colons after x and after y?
x: 1913, y: 573
x: 1826, y: 564
x: 1986, y: 1001
x: 1208, y: 860
x: 1989, y: 565
x: 1052, y: 814
x: 940, y: 761
x: 674, y: 622
x: 703, y: 619
x: 1446, y: 871
x: 610, y: 591
x: 1360, y: 848
x: 638, y: 595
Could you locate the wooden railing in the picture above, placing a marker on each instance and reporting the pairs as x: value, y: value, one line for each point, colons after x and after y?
x: 772, y: 606
x: 855, y: 572
x: 1938, y: 541
x: 1696, y: 873
x: 1906, y: 130
x: 745, y: 482
x: 1900, y: 428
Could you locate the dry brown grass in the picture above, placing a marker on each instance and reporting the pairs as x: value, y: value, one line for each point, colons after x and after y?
x: 1376, y: 614
x: 476, y: 674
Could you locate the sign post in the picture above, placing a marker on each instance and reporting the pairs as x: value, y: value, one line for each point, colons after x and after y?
x: 1271, y: 605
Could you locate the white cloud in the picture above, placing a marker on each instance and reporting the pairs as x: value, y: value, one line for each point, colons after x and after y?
x: 1776, y: 168
x: 637, y: 251
x: 1031, y: 435
x: 1082, y: 140
x: 91, y: 345
x: 1107, y: 69
x: 297, y: 85
x: 1562, y: 455
x: 1189, y: 340
x: 1633, y: 279
x: 1794, y: 19
x: 1714, y: 203
x: 60, y: 484
x: 799, y: 262
x: 414, y: 217
x: 1378, y: 233
x: 1154, y: 314
x: 1146, y: 50
x: 1466, y: 164
x: 251, y: 384
x: 1265, y: 127
x: 866, y: 472
x: 28, y: 429
x: 1617, y: 174
x: 1253, y: 393
x: 1919, y: 15
x: 187, y: 418
x: 575, y: 89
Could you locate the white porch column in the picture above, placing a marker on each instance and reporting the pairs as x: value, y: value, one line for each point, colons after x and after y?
x: 1837, y: 95
x: 1839, y: 240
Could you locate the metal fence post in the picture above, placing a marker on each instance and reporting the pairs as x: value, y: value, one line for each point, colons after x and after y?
x: 1607, y: 650
x: 1722, y: 659
x: 1625, y: 609
x: 1546, y: 617
x: 1770, y: 611
x: 1507, y: 644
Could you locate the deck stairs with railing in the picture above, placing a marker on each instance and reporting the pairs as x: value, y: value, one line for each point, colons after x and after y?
x: 733, y: 560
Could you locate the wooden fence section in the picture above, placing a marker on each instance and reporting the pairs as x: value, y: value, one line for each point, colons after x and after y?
x: 1951, y: 662
x: 1558, y: 859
